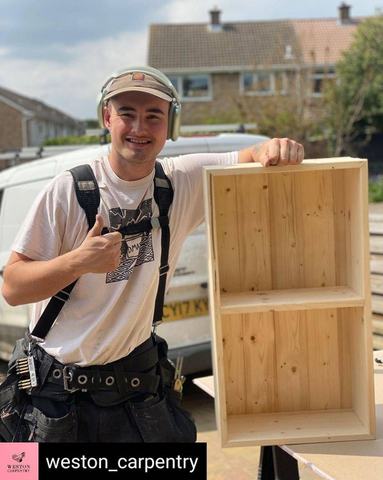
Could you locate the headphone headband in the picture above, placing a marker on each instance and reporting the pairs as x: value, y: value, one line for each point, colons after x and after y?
x: 175, y: 106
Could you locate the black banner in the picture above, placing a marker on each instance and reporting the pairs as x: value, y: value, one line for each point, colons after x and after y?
x: 122, y: 460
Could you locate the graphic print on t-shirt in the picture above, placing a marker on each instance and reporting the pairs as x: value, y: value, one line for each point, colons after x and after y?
x: 135, y: 249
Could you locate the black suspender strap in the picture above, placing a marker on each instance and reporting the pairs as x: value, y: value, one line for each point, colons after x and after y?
x: 88, y: 196
x: 163, y: 196
x: 87, y: 191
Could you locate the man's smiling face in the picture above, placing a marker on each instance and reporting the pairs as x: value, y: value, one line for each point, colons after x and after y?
x: 138, y: 125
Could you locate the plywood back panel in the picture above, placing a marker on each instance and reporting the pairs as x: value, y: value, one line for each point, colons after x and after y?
x: 254, y: 232
x: 292, y: 361
x: 260, y: 363
x: 234, y: 364
x: 318, y: 233
x: 287, y: 239
x: 289, y: 361
x: 226, y: 227
x: 323, y: 359
x: 288, y: 230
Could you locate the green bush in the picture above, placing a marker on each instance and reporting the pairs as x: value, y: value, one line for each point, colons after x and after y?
x: 74, y: 140
x: 375, y: 190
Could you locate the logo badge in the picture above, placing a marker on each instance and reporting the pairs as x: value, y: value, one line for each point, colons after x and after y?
x: 138, y: 77
x: 19, y: 458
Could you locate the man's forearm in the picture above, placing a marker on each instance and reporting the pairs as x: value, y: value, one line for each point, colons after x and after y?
x: 251, y: 154
x: 28, y: 281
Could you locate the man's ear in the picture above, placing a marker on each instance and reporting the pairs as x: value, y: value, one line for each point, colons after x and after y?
x: 107, y: 117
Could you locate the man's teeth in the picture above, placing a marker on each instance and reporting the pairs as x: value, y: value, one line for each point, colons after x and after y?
x: 137, y: 141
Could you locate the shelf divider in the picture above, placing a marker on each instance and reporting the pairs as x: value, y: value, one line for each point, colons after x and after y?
x: 291, y: 299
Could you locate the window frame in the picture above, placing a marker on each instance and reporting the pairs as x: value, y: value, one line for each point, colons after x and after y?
x: 273, y: 83
x: 180, y: 80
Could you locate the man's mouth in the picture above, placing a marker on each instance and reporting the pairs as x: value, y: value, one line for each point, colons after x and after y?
x: 137, y: 141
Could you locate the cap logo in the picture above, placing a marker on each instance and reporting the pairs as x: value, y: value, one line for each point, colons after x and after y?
x: 138, y: 76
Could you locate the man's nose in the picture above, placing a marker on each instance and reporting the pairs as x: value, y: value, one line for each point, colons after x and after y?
x: 139, y: 125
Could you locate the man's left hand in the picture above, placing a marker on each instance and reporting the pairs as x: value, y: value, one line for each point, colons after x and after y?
x: 278, y: 151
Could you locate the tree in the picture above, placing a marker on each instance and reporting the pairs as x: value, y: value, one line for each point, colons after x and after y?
x: 355, y: 100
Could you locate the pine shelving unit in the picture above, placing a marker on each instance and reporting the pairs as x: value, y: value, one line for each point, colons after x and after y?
x: 289, y: 280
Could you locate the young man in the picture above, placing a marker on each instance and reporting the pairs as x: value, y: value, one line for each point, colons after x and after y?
x: 99, y: 368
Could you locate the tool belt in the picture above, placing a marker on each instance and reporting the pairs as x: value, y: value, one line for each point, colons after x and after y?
x: 141, y: 372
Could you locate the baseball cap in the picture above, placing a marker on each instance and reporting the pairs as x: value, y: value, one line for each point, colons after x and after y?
x: 138, y: 82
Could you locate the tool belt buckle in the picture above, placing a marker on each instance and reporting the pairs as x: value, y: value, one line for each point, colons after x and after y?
x: 68, y: 376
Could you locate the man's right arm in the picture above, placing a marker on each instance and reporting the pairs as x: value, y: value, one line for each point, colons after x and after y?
x: 29, y: 281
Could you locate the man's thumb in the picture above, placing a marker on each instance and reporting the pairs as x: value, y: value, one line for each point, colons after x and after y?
x: 96, y: 230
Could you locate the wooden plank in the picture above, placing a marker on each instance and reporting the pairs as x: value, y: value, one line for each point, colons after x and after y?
x: 234, y: 364
x: 323, y: 359
x: 292, y: 361
x: 309, y: 165
x: 361, y: 366
x: 376, y: 264
x: 294, y: 299
x: 377, y: 324
x: 355, y: 229
x: 376, y: 244
x: 376, y: 228
x: 377, y: 304
x: 287, y: 244
x: 226, y: 226
x: 344, y: 358
x: 295, y: 427
x: 318, y: 235
x: 376, y: 283
x: 377, y: 341
x: 252, y: 194
x: 260, y: 368
x: 340, y: 226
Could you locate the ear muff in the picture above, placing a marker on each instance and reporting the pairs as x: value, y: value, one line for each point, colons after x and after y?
x: 175, y: 106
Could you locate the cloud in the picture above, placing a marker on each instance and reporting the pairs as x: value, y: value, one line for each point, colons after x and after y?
x: 73, y: 86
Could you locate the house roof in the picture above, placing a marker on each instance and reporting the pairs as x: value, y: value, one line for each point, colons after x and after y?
x: 242, y: 45
x: 36, y: 108
x: 323, y: 41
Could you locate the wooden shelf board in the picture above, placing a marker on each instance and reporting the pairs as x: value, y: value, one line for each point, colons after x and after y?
x: 295, y: 427
x: 292, y: 299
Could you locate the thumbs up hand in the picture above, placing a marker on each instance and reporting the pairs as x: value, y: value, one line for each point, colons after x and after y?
x: 100, y: 253
x: 97, y: 227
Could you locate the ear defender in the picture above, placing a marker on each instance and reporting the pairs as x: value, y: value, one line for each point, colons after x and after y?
x: 175, y: 106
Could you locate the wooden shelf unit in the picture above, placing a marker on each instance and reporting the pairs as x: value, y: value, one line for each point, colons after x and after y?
x: 290, y: 301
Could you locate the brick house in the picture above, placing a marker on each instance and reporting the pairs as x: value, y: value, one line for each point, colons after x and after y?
x: 26, y: 122
x: 217, y: 67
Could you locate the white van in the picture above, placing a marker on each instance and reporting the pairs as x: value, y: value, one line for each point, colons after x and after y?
x: 186, y: 325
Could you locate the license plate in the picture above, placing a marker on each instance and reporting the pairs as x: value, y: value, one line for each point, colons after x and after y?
x: 187, y: 309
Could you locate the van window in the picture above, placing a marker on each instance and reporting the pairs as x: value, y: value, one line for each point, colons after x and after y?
x: 16, y: 202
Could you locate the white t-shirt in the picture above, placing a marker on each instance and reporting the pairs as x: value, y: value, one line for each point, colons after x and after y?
x: 108, y: 315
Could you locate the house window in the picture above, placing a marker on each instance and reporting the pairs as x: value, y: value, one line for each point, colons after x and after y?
x: 192, y: 87
x: 318, y: 82
x: 264, y: 83
x: 257, y: 83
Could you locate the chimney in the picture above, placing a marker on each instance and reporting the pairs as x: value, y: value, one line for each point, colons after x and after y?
x: 344, y: 14
x: 215, y: 22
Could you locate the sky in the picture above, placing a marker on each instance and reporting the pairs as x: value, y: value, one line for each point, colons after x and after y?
x: 61, y: 52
